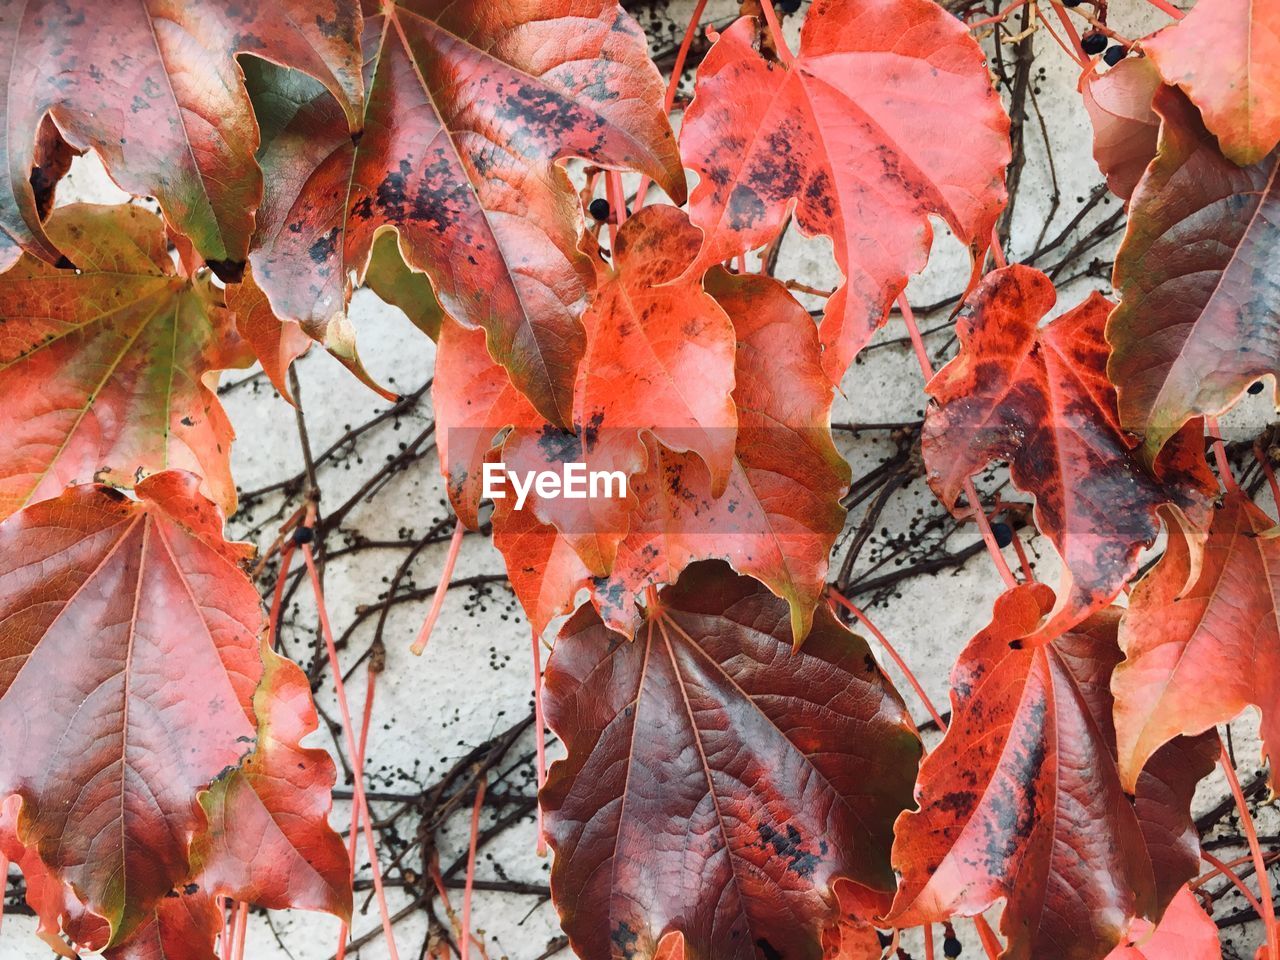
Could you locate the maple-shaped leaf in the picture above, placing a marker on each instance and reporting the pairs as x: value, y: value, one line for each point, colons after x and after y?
x: 1125, y: 128
x: 1185, y: 932
x: 717, y: 784
x: 781, y: 512
x: 778, y: 516
x: 886, y: 117
x: 276, y: 343
x: 108, y: 372
x: 469, y: 106
x: 1022, y: 800
x: 109, y: 742
x: 659, y: 362
x: 53, y: 902
x: 155, y: 90
x: 1225, y: 54
x: 1039, y: 398
x: 1198, y: 280
x: 475, y: 403
x: 269, y: 842
x: 1200, y: 638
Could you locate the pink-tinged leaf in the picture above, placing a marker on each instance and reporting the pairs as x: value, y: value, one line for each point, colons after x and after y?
x: 1022, y: 800
x: 110, y: 743
x: 777, y: 518
x: 269, y: 842
x: 155, y: 90
x: 1039, y: 398
x: 780, y: 514
x: 1200, y: 638
x: 184, y: 927
x: 718, y: 784
x: 887, y: 117
x: 475, y: 403
x: 659, y: 362
x: 53, y: 902
x: 1185, y: 932
x: 276, y: 343
x: 1225, y: 54
x: 108, y: 373
x: 469, y: 108
x: 1125, y: 128
x: 1198, y: 280
x: 545, y: 570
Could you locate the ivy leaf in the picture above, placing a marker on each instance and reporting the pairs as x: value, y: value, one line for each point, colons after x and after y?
x: 53, y: 902
x: 184, y: 928
x: 155, y: 90
x: 1185, y: 931
x: 469, y: 107
x: 269, y: 842
x: 108, y: 373
x: 475, y: 403
x: 1198, y: 282
x: 109, y: 743
x: 1022, y: 799
x: 1125, y: 128
x: 780, y: 514
x: 718, y: 784
x: 1039, y: 398
x: 1200, y: 638
x: 276, y: 343
x: 777, y: 518
x: 887, y: 117
x: 659, y: 362
x: 1225, y: 54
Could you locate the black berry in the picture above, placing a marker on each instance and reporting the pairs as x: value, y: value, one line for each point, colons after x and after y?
x: 599, y: 209
x: 1255, y: 388
x: 788, y: 6
x: 1003, y: 534
x: 1094, y: 42
x: 303, y: 535
x: 951, y: 947
x: 1115, y: 53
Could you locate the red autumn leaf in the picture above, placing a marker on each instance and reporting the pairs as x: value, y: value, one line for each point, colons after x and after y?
x: 1039, y: 398
x: 155, y: 90
x: 109, y: 743
x: 1185, y: 932
x: 1225, y: 54
x: 1197, y: 279
x: 659, y: 362
x: 184, y: 928
x: 717, y: 784
x: 1125, y: 128
x: 780, y: 514
x: 108, y: 373
x: 269, y: 842
x: 53, y: 902
x: 887, y: 117
x: 469, y: 107
x: 276, y: 343
x: 1022, y: 799
x: 776, y: 520
x: 1200, y: 639
x: 474, y: 403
